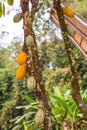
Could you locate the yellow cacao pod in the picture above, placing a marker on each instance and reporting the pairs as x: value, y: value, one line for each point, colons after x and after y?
x: 31, y: 83
x: 39, y: 117
x: 68, y: 11
x: 29, y: 41
x: 17, y: 17
x: 22, y: 57
x: 21, y: 72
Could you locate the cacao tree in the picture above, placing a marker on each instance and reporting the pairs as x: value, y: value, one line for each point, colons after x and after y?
x: 32, y: 64
x: 74, y: 76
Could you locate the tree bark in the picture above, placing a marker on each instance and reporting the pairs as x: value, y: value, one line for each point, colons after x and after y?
x: 34, y: 65
x: 74, y: 76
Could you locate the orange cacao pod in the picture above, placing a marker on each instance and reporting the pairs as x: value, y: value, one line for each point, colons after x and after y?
x: 68, y: 11
x: 22, y: 57
x: 21, y: 72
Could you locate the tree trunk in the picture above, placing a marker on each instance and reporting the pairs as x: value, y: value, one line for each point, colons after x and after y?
x: 34, y: 65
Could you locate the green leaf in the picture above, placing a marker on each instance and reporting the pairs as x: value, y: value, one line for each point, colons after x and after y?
x: 63, y: 105
x: 3, y: 9
x: 57, y: 114
x: 57, y: 92
x: 14, y: 119
x: 17, y: 127
x: 53, y: 100
x: 22, y: 107
x: 20, y: 119
x: 25, y: 127
x: 0, y: 9
x: 47, y: 2
x: 30, y: 106
x: 10, y: 2
x: 27, y: 98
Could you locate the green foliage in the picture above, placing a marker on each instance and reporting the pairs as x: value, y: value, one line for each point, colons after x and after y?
x: 67, y: 107
x: 10, y: 2
x: 81, y: 65
x: 64, y: 107
x: 6, y: 83
x: 9, y: 94
x: 59, y: 77
x: 2, y: 8
x: 8, y: 110
x: 52, y: 54
x: 47, y: 2
x: 6, y: 75
x: 26, y: 121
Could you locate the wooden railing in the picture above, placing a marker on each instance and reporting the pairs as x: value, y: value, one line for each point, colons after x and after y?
x: 78, y: 30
